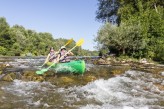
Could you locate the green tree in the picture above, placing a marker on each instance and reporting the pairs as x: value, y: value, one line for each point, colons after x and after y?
x: 6, y: 40
x: 140, y: 31
x: 2, y: 50
x: 106, y: 9
x: 18, y: 41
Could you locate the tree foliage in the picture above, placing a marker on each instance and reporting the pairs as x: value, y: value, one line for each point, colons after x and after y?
x: 106, y: 9
x: 140, y: 32
x: 18, y: 41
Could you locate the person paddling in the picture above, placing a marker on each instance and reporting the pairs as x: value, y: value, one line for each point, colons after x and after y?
x: 62, y: 52
x: 51, y: 56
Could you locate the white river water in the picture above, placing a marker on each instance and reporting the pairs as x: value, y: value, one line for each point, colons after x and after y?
x: 132, y: 90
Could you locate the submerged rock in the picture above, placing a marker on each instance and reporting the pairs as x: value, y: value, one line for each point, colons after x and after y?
x: 90, y: 78
x: 9, y: 77
x: 117, y: 72
x: 102, y: 62
x: 66, y: 80
x: 160, y: 86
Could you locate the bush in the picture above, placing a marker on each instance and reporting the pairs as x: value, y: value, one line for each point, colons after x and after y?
x: 2, y: 50
x: 159, y: 54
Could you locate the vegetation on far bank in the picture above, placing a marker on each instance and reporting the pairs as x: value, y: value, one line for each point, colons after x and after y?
x: 138, y: 31
x: 18, y: 41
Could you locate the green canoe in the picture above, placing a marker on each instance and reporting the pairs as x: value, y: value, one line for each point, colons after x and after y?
x: 75, y: 66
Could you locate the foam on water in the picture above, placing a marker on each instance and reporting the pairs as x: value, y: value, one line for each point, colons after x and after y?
x: 132, y: 90
x: 108, y: 106
x: 89, y: 66
x: 64, y: 68
x: 125, y: 91
x: 27, y: 62
x: 23, y: 88
x: 28, y: 91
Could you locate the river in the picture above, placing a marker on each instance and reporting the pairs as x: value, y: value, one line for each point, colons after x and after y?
x: 132, y: 89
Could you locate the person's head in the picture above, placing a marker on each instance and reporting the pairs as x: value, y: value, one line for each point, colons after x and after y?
x: 51, y: 49
x: 63, y: 48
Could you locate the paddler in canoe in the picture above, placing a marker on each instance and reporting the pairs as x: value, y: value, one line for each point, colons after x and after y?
x: 52, y: 56
x: 65, y: 65
x: 77, y: 66
x: 62, y: 52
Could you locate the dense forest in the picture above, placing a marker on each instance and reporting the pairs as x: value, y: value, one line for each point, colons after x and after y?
x: 138, y: 31
x: 18, y: 41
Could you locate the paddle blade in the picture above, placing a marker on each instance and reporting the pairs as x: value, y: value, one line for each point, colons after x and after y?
x: 41, y: 71
x: 68, y: 42
x: 80, y: 42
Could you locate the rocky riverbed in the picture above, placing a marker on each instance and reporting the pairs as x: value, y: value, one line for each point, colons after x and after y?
x: 106, y: 83
x: 108, y: 67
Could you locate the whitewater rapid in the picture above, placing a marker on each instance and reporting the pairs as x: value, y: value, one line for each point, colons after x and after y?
x: 131, y: 90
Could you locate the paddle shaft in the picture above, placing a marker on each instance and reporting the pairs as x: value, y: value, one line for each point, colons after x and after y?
x: 68, y: 42
x: 79, y: 43
x: 61, y: 58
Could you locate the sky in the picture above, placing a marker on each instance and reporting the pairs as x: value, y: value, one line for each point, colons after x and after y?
x: 62, y: 18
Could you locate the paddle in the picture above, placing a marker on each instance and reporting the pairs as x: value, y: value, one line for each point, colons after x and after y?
x: 79, y: 43
x: 68, y: 42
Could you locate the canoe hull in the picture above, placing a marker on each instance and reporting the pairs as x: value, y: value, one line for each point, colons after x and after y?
x: 77, y: 66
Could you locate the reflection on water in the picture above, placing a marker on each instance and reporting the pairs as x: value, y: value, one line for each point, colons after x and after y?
x: 131, y: 90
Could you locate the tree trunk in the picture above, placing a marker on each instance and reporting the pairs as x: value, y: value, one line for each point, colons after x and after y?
x: 123, y: 51
x: 155, y: 8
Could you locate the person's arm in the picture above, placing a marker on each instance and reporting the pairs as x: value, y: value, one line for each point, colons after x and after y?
x: 70, y: 54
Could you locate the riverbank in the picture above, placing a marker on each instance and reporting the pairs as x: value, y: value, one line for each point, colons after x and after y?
x: 144, y: 65
x: 131, y: 62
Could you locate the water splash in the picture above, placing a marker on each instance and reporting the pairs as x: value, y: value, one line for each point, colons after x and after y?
x: 132, y: 90
x: 61, y: 68
x: 125, y: 91
x: 28, y: 93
